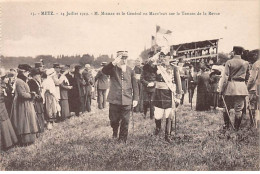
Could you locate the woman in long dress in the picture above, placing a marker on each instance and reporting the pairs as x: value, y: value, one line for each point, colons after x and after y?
x: 35, y: 86
x: 203, y: 89
x: 50, y: 98
x: 64, y: 99
x: 23, y: 115
x: 8, y: 136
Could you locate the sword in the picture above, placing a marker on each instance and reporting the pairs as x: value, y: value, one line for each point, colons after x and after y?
x: 227, y: 112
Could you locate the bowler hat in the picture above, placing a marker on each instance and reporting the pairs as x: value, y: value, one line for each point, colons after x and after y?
x: 24, y: 67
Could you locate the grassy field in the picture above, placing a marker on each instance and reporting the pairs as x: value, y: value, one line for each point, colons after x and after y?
x: 85, y: 143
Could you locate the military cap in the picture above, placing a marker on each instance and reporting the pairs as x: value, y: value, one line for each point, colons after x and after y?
x: 103, y: 63
x: 34, y: 72
x: 123, y: 53
x: 38, y: 64
x: 238, y: 50
x: 56, y: 65
x: 24, y: 67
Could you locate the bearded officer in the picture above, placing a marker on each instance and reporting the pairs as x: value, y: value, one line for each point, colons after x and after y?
x: 122, y: 94
x: 235, y: 89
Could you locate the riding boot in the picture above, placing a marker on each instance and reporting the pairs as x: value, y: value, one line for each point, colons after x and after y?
x: 168, y: 130
x: 158, y: 126
x: 115, y: 132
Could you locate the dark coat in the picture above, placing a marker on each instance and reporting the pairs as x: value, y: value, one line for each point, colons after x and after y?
x: 38, y: 103
x: 102, y: 80
x: 203, y: 97
x: 123, y: 85
x: 23, y: 115
x: 148, y: 75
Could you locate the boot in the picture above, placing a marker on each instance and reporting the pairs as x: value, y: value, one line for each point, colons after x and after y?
x: 168, y: 130
x: 115, y: 132
x: 158, y: 126
x: 237, y: 123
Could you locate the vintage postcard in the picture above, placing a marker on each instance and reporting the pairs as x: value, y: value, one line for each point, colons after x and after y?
x: 129, y: 85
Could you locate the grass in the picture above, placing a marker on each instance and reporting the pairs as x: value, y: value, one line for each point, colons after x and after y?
x: 85, y: 143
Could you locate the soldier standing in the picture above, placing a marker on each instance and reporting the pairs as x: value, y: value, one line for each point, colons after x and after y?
x: 235, y: 89
x: 148, y: 79
x: 123, y: 93
x: 167, y: 93
x: 253, y: 87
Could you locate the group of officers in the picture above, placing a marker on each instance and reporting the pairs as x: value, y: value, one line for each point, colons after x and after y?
x: 162, y: 90
x: 39, y: 95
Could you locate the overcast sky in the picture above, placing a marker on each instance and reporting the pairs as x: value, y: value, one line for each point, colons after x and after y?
x: 27, y: 35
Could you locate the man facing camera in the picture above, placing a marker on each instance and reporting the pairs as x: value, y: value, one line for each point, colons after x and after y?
x: 122, y: 95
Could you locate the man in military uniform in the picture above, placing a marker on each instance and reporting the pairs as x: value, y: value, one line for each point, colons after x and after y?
x: 168, y: 92
x: 253, y: 87
x: 235, y: 89
x: 122, y: 95
x: 148, y: 78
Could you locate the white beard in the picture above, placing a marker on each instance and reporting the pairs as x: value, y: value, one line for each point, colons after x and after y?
x: 123, y: 67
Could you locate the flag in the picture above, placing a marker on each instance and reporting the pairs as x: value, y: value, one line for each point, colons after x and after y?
x: 162, y: 31
x: 154, y: 45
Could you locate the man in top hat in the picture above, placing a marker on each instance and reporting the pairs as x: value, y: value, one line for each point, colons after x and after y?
x: 122, y: 95
x: 102, y: 86
x: 235, y: 89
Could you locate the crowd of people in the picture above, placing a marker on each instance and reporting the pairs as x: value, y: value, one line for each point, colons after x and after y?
x: 34, y: 99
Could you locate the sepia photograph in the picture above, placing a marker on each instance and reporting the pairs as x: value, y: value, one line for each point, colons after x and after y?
x: 129, y: 85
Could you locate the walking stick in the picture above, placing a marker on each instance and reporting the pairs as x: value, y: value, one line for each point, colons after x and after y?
x: 175, y: 119
x: 190, y: 98
x: 133, y: 122
x: 227, y: 112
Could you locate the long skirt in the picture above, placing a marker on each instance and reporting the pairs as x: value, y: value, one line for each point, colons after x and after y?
x: 65, y: 112
x: 39, y: 109
x: 8, y: 136
x: 203, y: 101
x: 50, y: 107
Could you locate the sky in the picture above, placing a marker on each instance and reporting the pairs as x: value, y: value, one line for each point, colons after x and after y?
x: 26, y: 35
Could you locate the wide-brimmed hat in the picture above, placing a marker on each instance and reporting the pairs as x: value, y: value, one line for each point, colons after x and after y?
x: 24, y: 67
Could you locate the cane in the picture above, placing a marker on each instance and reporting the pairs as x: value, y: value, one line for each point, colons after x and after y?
x: 175, y: 125
x: 132, y: 115
x: 227, y: 112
